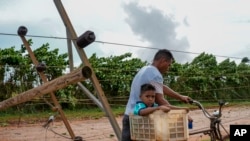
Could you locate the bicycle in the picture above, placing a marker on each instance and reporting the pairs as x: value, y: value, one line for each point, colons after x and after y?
x: 214, y: 130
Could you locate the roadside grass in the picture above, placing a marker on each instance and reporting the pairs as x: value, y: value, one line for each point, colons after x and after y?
x: 10, y: 117
x: 16, y: 117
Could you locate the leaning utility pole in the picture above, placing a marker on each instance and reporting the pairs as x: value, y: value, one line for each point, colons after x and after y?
x: 79, y: 48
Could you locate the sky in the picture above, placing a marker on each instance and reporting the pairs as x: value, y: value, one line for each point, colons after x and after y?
x: 186, y: 27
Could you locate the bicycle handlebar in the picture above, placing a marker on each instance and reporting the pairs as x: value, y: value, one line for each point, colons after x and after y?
x: 208, y: 115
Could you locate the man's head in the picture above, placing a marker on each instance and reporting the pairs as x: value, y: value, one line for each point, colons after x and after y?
x: 163, y: 60
x: 148, y: 94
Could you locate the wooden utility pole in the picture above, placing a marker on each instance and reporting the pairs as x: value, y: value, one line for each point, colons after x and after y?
x: 44, y: 79
x: 85, y: 61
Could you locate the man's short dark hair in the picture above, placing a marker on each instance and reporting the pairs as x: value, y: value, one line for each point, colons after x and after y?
x: 163, y: 53
x: 147, y: 87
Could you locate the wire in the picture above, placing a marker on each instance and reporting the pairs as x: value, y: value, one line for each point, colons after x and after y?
x: 36, y: 36
x: 146, y: 47
x: 50, y: 129
x: 120, y: 44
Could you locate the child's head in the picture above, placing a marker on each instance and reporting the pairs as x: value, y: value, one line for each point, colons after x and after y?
x: 147, y: 94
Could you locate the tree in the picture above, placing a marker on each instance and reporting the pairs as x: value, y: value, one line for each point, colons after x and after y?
x: 18, y: 72
x: 115, y: 73
x: 56, y: 62
x: 243, y: 71
x: 245, y: 60
x: 203, y: 78
x: 199, y: 76
x: 10, y: 59
x: 228, y: 78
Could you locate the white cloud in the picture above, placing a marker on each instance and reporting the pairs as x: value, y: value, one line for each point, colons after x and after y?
x: 212, y: 26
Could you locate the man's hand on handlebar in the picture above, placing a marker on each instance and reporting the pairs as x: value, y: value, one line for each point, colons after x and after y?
x: 186, y: 99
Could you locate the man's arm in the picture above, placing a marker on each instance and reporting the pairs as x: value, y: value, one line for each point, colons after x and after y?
x: 169, y: 92
x: 159, y: 99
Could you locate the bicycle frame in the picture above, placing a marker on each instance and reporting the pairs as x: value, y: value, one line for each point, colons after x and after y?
x: 214, y: 130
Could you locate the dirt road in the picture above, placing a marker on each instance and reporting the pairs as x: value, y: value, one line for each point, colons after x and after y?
x: 101, y: 129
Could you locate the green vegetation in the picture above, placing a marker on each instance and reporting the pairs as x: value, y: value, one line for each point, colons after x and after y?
x: 203, y: 79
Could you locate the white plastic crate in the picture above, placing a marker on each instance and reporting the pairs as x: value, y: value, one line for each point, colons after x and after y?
x: 160, y: 126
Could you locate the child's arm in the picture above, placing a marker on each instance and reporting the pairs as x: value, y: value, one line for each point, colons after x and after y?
x: 177, y: 108
x: 149, y: 110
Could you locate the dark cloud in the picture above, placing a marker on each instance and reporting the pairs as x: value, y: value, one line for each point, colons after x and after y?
x: 156, y: 28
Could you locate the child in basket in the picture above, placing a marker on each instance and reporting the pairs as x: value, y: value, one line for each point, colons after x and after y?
x: 147, y: 104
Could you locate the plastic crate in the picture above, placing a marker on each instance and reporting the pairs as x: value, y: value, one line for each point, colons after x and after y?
x: 160, y: 126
